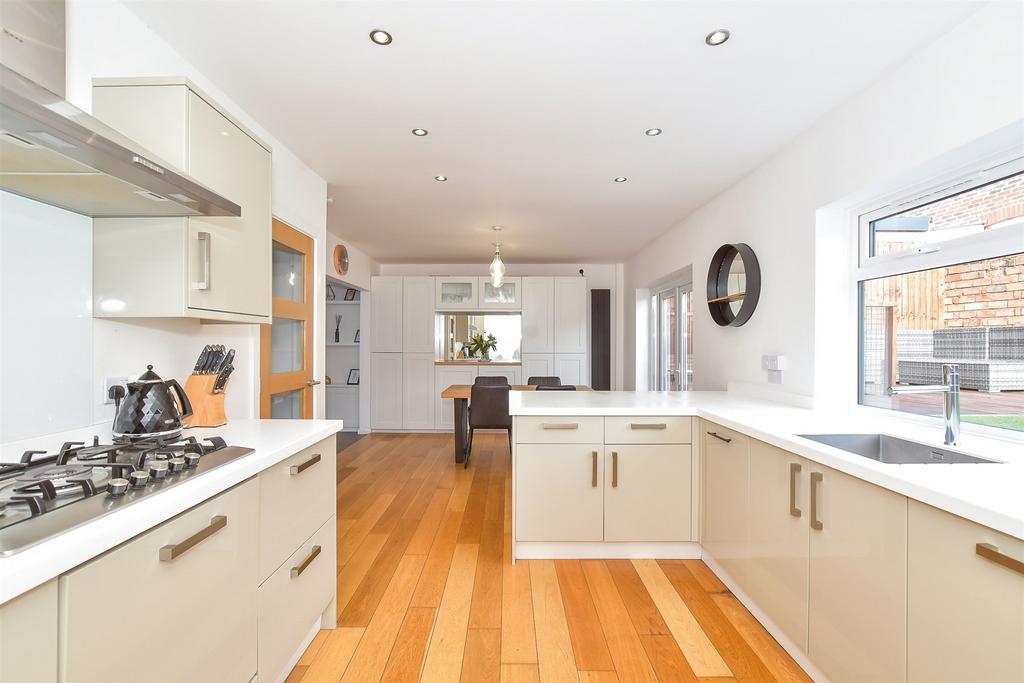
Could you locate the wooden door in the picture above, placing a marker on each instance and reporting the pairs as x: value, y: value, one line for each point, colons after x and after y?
x: 286, y: 346
x: 647, y: 493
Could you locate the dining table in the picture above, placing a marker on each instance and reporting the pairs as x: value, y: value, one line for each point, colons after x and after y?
x: 461, y: 393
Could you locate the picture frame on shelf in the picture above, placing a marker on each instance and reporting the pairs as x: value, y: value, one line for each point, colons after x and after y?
x: 331, y: 294
x: 351, y: 294
x: 353, y: 377
x: 356, y: 340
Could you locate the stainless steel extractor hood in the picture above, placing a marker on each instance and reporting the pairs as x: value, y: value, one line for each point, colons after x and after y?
x: 53, y: 152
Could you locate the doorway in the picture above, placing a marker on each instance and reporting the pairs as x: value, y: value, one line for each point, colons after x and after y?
x: 286, y: 346
x: 672, y: 337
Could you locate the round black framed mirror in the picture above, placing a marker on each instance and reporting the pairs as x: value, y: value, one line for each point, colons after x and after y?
x: 734, y: 285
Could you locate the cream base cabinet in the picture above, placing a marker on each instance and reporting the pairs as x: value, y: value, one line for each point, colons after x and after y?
x: 559, y: 492
x: 29, y: 636
x: 647, y: 491
x: 188, y: 610
x: 725, y: 500
x: 857, y: 617
x: 216, y: 268
x: 776, y: 574
x: 418, y: 397
x: 386, y: 390
x: 965, y: 615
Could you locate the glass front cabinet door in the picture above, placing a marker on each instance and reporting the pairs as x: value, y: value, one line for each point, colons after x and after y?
x: 508, y: 296
x: 456, y: 293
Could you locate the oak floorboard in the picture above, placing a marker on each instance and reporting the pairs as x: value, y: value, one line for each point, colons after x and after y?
x: 329, y: 664
x: 406, y: 659
x: 435, y: 573
x: 768, y: 650
x: 518, y: 637
x: 348, y: 543
x: 352, y: 574
x: 364, y: 601
x: 667, y: 659
x: 481, y: 662
x: 647, y: 620
x: 588, y: 639
x: 554, y: 646
x: 598, y: 677
x: 448, y: 641
x: 429, y: 523
x: 705, y: 577
x: 486, y: 610
x: 628, y: 655
x: 520, y: 673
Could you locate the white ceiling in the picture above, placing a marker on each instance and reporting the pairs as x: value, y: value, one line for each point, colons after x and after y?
x: 533, y: 107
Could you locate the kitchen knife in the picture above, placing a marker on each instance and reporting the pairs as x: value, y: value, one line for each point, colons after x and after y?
x: 227, y: 360
x: 204, y: 356
x: 215, y: 355
x: 222, y: 379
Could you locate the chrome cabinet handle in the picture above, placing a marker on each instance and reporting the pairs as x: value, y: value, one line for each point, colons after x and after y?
x: 301, y: 567
x: 312, y: 382
x: 794, y: 469
x: 204, y: 242
x: 648, y: 425
x: 560, y: 425
x: 299, y: 469
x: 615, y: 469
x: 720, y: 437
x: 816, y: 478
x: 169, y: 553
x: 593, y: 469
x: 991, y: 552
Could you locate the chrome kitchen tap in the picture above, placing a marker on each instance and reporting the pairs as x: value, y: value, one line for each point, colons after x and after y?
x: 951, y: 408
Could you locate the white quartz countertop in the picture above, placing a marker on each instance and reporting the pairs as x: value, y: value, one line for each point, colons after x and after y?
x: 272, y: 441
x: 989, y: 494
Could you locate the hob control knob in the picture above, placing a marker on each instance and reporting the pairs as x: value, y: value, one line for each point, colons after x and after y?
x: 117, y: 487
x: 191, y: 460
x: 158, y: 470
x: 176, y: 464
x: 139, y: 478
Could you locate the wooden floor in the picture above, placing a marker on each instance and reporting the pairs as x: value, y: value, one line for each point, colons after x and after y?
x: 426, y: 589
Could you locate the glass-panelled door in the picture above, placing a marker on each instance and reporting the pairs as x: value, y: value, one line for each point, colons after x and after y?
x: 673, y: 355
x: 286, y: 346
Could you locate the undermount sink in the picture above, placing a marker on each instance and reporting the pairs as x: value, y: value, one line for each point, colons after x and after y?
x: 893, y: 451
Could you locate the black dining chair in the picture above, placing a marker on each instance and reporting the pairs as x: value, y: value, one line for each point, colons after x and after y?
x: 556, y: 387
x: 488, y: 409
x: 544, y: 381
x: 491, y: 381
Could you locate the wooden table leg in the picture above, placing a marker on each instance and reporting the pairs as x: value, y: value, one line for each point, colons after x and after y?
x: 461, y: 429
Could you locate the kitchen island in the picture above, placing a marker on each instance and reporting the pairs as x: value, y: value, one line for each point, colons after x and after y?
x: 835, y: 553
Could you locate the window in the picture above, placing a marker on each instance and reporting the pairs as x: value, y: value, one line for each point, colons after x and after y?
x: 507, y: 329
x: 942, y: 282
x: 672, y: 339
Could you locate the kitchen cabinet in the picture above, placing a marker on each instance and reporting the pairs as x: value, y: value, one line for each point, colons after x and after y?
x: 418, y: 398
x: 537, y: 365
x: 29, y: 635
x: 386, y: 390
x: 572, y: 368
x: 507, y: 297
x: 457, y: 293
x: 857, y: 601
x: 726, y: 501
x: 559, y: 492
x: 965, y: 610
x: 538, y: 315
x: 386, y: 299
x: 444, y: 377
x: 513, y: 373
x: 777, y: 564
x: 214, y: 268
x: 570, y: 315
x: 184, y: 592
x: 645, y: 486
x: 419, y: 332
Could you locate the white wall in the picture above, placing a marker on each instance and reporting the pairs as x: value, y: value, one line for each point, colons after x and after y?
x: 965, y: 85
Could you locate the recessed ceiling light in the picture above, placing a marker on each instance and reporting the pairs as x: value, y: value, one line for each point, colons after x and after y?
x: 621, y: 179
x: 380, y: 36
x: 440, y: 178
x: 651, y: 132
x: 717, y: 37
x: 419, y: 132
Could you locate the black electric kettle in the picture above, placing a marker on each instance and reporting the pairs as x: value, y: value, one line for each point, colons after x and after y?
x: 150, y: 407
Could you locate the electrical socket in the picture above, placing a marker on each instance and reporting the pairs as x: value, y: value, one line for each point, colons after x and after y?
x: 112, y: 382
x: 773, y: 362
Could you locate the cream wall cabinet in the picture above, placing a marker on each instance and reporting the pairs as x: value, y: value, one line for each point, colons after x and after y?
x: 444, y: 377
x: 570, y: 315
x: 29, y: 636
x: 538, y: 315
x: 513, y: 373
x: 386, y: 391
x: 387, y: 297
x: 647, y: 493
x: 418, y: 319
x: 965, y: 615
x: 143, y: 592
x: 507, y: 297
x: 457, y: 293
x: 559, y: 492
x: 572, y: 368
x: 538, y: 365
x: 726, y: 502
x: 418, y: 398
x: 216, y: 268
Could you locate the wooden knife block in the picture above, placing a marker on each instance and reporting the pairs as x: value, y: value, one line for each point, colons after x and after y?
x: 207, y: 407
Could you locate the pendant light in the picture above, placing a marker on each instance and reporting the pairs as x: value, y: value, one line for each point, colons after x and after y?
x: 497, y: 268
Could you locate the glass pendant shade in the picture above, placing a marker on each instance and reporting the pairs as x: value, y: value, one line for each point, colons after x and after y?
x: 497, y: 268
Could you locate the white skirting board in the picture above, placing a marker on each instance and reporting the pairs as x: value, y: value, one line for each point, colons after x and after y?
x: 606, y: 551
x: 294, y: 659
x: 788, y: 645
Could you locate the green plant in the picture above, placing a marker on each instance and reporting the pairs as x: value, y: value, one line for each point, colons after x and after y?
x: 482, y: 346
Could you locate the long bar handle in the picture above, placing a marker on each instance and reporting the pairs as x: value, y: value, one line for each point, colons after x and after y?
x: 169, y: 553
x: 816, y: 478
x: 720, y: 437
x: 204, y: 243
x: 991, y: 552
x: 560, y: 425
x: 593, y: 469
x: 298, y: 469
x: 615, y: 469
x: 301, y: 567
x: 648, y: 425
x: 794, y: 469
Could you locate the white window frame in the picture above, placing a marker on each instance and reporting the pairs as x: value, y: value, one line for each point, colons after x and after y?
x: 681, y: 287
